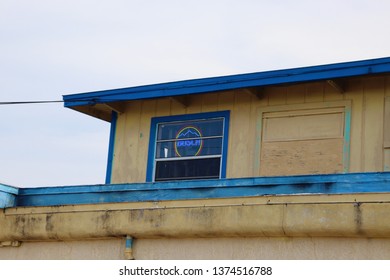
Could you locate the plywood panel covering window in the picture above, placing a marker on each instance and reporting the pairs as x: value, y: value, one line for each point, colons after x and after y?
x: 307, y: 141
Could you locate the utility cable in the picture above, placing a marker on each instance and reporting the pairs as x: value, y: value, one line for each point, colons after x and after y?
x: 90, y: 101
x: 30, y: 102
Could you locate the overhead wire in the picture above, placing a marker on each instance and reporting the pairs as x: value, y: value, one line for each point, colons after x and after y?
x: 30, y: 102
x: 90, y: 101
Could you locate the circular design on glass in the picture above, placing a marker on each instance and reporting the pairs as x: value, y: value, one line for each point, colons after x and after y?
x: 191, y: 143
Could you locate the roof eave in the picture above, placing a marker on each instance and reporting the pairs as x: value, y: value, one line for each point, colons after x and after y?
x: 215, y: 84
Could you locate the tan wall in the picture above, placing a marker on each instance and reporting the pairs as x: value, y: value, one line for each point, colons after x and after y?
x: 207, y: 248
x: 367, y: 96
x: 112, y: 249
x: 263, y: 248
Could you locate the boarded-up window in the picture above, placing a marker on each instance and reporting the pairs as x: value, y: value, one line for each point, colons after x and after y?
x: 302, y: 142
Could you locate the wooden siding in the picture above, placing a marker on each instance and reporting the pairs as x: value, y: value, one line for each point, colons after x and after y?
x: 386, y: 152
x: 366, y: 96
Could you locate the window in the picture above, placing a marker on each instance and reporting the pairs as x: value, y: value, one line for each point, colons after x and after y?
x: 188, y: 147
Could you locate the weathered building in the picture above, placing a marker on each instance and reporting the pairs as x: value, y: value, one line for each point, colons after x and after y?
x: 286, y: 164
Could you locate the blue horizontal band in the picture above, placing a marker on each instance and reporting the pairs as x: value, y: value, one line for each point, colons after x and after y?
x: 205, y: 189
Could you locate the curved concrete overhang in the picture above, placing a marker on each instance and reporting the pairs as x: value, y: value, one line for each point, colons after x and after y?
x: 338, y: 205
x: 349, y: 215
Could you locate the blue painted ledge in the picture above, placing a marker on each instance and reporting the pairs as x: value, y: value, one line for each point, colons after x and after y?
x: 7, y: 196
x: 225, y: 188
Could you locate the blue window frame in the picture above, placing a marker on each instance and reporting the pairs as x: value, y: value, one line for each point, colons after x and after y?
x: 187, y: 147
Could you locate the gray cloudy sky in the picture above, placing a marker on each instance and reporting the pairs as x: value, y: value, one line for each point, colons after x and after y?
x: 50, y: 48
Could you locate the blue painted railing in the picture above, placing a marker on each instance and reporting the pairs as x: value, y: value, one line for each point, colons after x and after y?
x: 204, y: 189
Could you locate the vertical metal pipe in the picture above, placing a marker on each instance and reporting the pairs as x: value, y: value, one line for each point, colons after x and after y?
x: 129, y: 248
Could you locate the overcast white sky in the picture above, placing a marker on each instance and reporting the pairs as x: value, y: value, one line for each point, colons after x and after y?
x: 51, y: 48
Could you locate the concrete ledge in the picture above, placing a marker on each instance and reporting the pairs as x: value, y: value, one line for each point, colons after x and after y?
x: 359, y: 215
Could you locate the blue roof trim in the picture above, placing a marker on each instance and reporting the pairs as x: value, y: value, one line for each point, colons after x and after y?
x: 295, y: 75
x: 8, y: 189
x: 7, y: 196
x: 206, y: 189
x: 111, y: 145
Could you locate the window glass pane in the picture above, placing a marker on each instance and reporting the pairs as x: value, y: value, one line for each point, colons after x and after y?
x: 207, y: 168
x: 190, y: 129
x: 189, y: 148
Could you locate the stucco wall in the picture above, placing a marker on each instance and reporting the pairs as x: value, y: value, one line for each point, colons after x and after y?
x: 263, y: 248
x: 111, y: 249
x: 207, y: 248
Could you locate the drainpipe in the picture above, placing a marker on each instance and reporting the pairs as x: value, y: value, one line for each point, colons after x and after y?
x: 129, y: 248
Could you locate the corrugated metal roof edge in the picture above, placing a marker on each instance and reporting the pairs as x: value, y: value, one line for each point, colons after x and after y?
x: 196, y: 86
